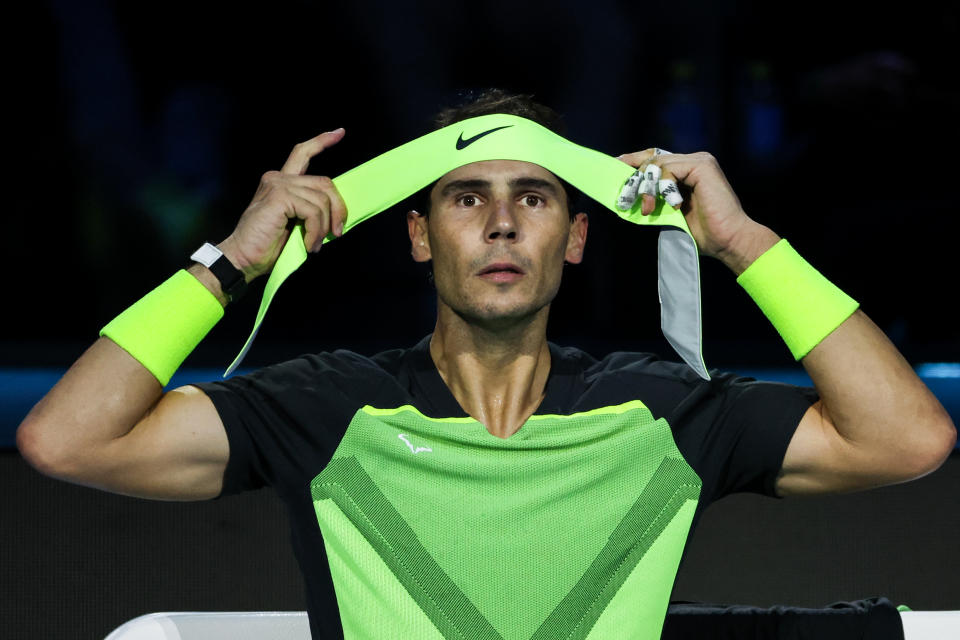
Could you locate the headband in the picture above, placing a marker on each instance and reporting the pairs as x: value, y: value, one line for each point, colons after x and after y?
x: 378, y: 184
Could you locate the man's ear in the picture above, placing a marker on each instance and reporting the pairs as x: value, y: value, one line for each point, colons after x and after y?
x: 577, y: 239
x: 417, y: 225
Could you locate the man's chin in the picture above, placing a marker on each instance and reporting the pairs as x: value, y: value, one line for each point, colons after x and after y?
x: 500, y: 318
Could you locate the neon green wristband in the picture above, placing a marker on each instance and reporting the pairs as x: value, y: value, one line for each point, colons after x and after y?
x: 163, y: 327
x: 803, y: 306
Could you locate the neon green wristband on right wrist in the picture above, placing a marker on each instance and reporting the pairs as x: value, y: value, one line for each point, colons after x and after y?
x: 803, y: 306
x: 163, y: 327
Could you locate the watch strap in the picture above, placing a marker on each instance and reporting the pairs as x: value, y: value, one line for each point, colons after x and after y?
x: 232, y: 282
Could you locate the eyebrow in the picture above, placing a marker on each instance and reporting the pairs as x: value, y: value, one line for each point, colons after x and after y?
x: 476, y: 184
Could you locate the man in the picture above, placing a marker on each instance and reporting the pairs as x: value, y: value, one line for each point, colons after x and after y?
x: 486, y: 483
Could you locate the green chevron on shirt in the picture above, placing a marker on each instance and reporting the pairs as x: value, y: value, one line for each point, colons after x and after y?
x: 571, y: 528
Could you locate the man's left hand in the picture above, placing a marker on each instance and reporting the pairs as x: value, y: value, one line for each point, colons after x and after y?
x: 717, y: 222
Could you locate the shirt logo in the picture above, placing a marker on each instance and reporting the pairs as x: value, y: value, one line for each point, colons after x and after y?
x: 403, y: 437
x: 463, y: 144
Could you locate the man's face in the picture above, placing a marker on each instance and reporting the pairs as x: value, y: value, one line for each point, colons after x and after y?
x: 498, y: 234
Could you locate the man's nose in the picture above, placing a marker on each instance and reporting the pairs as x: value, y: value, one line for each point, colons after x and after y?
x: 501, y: 223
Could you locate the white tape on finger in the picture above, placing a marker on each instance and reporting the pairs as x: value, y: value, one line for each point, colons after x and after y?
x: 652, y: 174
x: 648, y: 188
x: 628, y: 195
x: 670, y: 192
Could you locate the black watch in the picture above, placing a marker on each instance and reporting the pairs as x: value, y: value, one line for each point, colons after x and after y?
x: 231, y: 279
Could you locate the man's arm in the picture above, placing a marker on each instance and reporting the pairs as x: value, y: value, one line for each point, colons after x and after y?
x: 876, y: 423
x: 107, y: 422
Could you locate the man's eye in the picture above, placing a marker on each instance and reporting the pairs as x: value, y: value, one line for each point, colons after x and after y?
x: 467, y: 200
x: 532, y: 200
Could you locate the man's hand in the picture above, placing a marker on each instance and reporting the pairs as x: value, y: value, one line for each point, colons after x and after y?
x: 285, y: 195
x: 718, y: 223
x: 876, y: 423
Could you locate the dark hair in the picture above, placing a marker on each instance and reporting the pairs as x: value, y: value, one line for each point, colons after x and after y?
x: 490, y: 101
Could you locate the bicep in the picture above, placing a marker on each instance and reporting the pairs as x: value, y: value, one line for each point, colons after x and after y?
x: 177, y: 451
x: 820, y: 460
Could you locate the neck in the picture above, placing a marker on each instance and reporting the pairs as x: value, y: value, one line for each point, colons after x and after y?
x: 497, y: 375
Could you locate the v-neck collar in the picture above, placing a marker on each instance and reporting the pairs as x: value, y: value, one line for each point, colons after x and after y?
x: 435, y: 399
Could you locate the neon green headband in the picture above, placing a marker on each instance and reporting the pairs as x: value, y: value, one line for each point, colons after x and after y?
x: 378, y: 184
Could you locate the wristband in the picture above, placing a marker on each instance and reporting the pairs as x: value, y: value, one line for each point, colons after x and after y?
x: 163, y: 327
x: 803, y: 306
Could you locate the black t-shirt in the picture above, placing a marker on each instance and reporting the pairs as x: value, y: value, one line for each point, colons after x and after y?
x: 284, y: 423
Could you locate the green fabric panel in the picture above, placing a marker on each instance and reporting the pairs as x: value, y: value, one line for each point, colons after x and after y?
x: 350, y: 487
x: 673, y: 486
x: 484, y: 523
x: 623, y: 617
x: 365, y: 585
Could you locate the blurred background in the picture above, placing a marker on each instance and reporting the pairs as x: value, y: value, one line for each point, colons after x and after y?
x: 140, y: 130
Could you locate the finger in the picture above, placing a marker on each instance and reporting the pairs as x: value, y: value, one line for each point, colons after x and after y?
x: 682, y: 167
x: 311, y: 188
x: 313, y: 196
x: 628, y: 194
x: 646, y: 182
x: 670, y: 191
x: 667, y: 186
x: 316, y: 220
x: 338, y: 210
x: 299, y: 158
x: 651, y: 178
x: 639, y: 158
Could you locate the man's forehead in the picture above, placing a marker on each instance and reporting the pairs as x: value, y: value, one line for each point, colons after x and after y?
x: 497, y: 170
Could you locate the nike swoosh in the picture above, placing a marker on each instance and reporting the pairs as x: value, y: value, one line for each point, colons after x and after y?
x: 463, y: 144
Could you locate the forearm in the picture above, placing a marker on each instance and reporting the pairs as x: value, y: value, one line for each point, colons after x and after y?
x: 100, y: 398
x: 870, y: 397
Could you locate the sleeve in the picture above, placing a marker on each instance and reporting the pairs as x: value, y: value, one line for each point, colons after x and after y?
x: 284, y: 421
x: 761, y: 418
x: 734, y: 430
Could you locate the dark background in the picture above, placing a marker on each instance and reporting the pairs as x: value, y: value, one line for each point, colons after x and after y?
x: 140, y: 130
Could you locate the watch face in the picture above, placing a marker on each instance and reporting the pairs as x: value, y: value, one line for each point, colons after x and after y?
x: 206, y: 255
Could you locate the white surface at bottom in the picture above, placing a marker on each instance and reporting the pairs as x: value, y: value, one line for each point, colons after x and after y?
x: 216, y: 625
x: 930, y: 625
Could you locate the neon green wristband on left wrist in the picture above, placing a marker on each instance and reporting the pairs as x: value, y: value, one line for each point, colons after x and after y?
x: 803, y: 306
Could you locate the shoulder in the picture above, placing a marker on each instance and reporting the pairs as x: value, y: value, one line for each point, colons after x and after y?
x: 632, y: 366
x: 664, y: 385
x: 330, y: 371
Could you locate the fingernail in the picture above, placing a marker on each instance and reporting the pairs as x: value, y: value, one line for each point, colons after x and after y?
x: 339, y: 229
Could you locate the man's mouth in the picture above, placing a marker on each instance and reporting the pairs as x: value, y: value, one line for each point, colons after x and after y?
x: 501, y: 272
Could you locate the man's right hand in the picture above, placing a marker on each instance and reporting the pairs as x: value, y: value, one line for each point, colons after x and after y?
x: 285, y: 195
x: 107, y: 422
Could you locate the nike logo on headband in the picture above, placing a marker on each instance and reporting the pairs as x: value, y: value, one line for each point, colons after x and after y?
x: 463, y: 144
